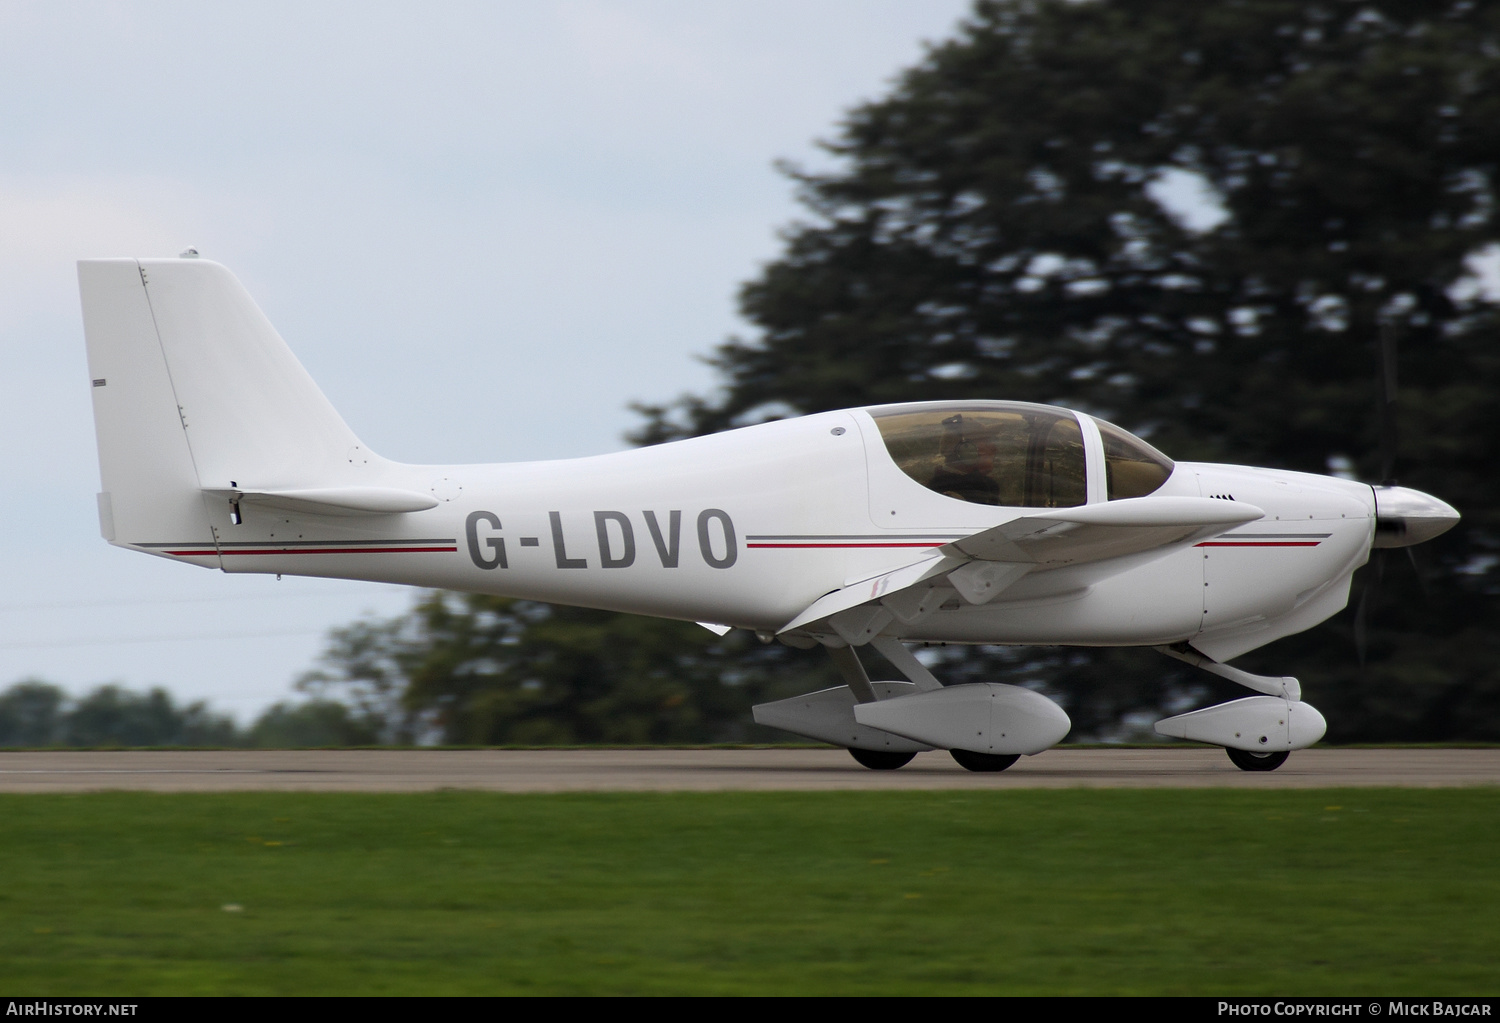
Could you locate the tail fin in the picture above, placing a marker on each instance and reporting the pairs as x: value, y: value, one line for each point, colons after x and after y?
x: 195, y: 391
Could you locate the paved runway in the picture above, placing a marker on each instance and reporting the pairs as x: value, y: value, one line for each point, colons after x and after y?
x: 716, y: 769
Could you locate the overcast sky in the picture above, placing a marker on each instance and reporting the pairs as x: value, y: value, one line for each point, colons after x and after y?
x: 485, y: 228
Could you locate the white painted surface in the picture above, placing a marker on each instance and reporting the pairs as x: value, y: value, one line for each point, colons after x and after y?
x: 1259, y: 724
x: 984, y: 717
x: 828, y: 716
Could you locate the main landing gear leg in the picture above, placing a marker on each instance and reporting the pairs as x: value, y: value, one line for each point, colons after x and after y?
x: 847, y: 662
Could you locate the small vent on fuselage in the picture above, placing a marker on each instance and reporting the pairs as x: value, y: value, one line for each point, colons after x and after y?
x: 1222, y: 497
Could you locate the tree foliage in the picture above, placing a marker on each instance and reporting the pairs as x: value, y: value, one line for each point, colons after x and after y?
x: 311, y: 724
x: 469, y: 669
x: 34, y: 713
x: 1194, y: 220
x: 995, y: 227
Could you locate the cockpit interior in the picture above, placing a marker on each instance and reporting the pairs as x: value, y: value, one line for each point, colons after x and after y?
x: 1014, y: 454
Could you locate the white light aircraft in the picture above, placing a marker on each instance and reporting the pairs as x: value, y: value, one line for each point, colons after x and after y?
x: 937, y: 522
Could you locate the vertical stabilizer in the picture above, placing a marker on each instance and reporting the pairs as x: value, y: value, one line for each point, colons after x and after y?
x: 195, y: 391
x: 251, y: 412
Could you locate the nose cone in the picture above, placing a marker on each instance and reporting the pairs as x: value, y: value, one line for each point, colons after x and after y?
x: 1404, y: 517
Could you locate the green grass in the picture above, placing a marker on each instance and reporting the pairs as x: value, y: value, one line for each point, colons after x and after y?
x: 1088, y: 892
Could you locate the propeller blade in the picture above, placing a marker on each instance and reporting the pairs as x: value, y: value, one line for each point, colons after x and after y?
x: 1366, y: 600
x: 1387, y: 403
x: 1411, y: 555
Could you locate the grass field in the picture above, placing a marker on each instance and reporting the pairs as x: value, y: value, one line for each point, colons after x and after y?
x: 1021, y: 892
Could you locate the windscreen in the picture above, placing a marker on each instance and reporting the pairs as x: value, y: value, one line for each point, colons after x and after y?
x: 1132, y: 467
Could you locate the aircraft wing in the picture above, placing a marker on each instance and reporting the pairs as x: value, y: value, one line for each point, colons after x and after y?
x: 1096, y: 532
x: 983, y: 564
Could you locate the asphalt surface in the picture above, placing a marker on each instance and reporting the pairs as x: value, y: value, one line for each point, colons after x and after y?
x: 715, y: 769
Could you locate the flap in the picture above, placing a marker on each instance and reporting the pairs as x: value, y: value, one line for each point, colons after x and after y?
x: 874, y: 588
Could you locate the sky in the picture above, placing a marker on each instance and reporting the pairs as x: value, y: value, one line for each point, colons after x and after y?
x: 485, y: 228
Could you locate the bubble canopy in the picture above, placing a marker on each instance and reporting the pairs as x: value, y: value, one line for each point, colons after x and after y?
x: 1013, y: 453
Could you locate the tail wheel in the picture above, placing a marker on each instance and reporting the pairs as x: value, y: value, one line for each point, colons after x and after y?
x: 1248, y: 760
x: 879, y: 759
x: 972, y: 761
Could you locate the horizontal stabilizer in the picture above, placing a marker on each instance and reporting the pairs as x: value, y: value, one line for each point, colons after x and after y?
x: 332, y: 500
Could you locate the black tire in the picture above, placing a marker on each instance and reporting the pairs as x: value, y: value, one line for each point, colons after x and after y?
x: 879, y: 759
x: 971, y: 761
x: 1247, y: 760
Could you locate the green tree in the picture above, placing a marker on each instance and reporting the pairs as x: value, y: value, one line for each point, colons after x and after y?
x: 35, y: 713
x: 1194, y: 220
x: 364, y: 668
x: 312, y: 723
x: 112, y: 716
x: 480, y: 670
x: 31, y: 714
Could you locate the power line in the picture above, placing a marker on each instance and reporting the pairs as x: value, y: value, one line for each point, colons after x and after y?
x: 135, y: 602
x: 185, y: 638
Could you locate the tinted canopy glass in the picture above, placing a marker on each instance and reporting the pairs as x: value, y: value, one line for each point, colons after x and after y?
x: 1133, y: 467
x: 989, y: 452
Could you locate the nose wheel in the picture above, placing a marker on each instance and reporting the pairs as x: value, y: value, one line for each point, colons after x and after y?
x: 1246, y: 760
x: 984, y: 762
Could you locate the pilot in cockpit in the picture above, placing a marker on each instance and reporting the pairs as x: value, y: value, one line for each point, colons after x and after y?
x: 967, y: 463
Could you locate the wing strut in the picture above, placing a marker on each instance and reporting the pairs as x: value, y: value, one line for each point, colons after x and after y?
x: 906, y: 662
x: 847, y: 662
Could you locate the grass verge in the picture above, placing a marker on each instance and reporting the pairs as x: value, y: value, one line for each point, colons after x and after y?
x: 1367, y: 891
